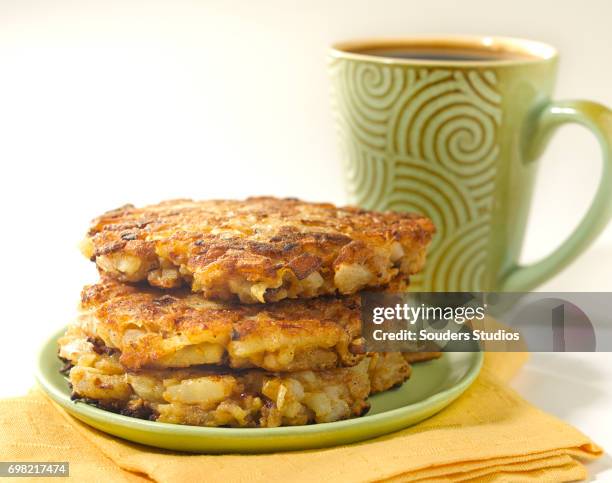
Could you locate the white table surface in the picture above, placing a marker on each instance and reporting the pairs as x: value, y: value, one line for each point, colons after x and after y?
x: 577, y: 388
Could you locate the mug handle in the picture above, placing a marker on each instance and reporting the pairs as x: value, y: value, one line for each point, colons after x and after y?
x: 598, y: 119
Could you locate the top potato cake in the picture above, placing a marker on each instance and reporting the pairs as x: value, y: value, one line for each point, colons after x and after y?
x: 260, y: 249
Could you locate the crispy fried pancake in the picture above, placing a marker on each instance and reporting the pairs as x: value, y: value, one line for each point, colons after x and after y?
x: 260, y: 249
x: 206, y: 397
x: 415, y: 357
x: 176, y: 328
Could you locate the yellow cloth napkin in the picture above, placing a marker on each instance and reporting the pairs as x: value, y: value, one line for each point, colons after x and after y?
x: 488, y: 434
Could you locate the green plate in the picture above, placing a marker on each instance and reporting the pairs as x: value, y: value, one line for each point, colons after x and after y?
x: 432, y: 386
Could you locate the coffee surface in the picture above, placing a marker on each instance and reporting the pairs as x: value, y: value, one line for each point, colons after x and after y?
x: 442, y: 53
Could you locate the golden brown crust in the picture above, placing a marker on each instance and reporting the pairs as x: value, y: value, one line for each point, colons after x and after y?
x: 207, y: 396
x: 176, y: 328
x: 414, y: 357
x: 202, y: 397
x: 387, y: 370
x: 259, y: 250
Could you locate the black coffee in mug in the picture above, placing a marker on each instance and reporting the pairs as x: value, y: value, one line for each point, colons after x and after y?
x: 445, y: 53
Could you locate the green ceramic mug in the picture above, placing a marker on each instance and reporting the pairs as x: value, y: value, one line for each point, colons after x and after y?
x: 452, y: 127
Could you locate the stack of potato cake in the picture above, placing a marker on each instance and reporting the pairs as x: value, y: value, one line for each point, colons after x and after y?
x: 238, y: 313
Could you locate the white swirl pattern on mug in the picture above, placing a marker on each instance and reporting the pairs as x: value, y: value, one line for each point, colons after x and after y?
x: 424, y: 140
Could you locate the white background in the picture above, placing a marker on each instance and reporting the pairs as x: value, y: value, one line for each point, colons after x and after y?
x: 104, y: 103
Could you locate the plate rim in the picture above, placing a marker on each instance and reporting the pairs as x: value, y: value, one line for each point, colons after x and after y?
x: 447, y: 395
